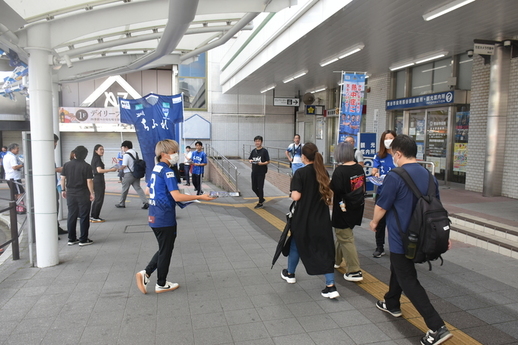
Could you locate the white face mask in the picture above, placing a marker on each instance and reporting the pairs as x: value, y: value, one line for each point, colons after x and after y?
x: 394, y: 161
x: 173, y: 159
x: 387, y: 143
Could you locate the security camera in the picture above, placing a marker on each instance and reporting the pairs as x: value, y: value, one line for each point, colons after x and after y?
x: 470, y: 53
x: 68, y: 61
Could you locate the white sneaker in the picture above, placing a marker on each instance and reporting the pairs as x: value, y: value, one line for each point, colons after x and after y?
x: 142, y: 280
x: 167, y: 287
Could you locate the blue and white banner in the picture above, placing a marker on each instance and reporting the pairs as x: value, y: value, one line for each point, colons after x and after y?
x: 351, y: 105
x: 155, y: 118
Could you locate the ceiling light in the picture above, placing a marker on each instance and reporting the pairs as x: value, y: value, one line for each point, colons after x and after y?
x: 443, y: 9
x: 318, y: 89
x: 395, y: 67
x: 349, y: 51
x: 268, y: 88
x: 431, y: 56
x: 295, y: 76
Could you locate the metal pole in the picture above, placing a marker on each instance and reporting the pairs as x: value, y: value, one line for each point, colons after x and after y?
x: 14, y: 231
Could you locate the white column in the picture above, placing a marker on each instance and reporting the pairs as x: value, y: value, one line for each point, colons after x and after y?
x: 42, y: 136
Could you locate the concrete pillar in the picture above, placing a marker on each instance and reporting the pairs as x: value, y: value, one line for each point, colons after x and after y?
x: 496, y: 121
x: 42, y: 135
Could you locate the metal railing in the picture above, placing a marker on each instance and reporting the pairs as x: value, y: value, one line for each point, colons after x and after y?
x: 13, y: 219
x: 277, y: 157
x: 228, y: 169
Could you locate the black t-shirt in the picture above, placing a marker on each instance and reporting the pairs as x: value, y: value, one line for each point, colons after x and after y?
x: 76, y: 173
x: 260, y: 155
x: 346, y: 178
x: 97, y: 162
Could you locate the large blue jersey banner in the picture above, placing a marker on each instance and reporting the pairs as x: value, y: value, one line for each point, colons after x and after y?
x: 351, y: 105
x: 155, y: 118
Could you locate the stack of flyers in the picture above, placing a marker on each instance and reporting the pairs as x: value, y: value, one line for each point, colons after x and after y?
x: 222, y: 194
x: 378, y: 181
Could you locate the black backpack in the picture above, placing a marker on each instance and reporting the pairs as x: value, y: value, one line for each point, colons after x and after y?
x: 429, y: 228
x: 139, y: 167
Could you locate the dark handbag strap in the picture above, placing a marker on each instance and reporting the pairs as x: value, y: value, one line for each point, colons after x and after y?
x: 129, y: 153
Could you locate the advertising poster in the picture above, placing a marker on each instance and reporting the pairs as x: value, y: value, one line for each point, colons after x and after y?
x: 462, y: 126
x: 89, y: 115
x: 351, y: 104
x: 460, y: 157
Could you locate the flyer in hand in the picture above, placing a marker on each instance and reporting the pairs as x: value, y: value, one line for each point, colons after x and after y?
x: 378, y: 181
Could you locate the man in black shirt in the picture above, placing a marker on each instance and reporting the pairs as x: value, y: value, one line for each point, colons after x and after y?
x: 77, y: 187
x: 260, y: 159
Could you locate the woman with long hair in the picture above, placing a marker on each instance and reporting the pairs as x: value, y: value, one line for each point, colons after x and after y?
x: 311, y: 230
x: 347, y: 177
x: 382, y: 164
x: 99, y: 183
x: 163, y: 196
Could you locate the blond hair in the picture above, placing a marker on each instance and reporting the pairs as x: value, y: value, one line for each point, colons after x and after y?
x: 164, y: 146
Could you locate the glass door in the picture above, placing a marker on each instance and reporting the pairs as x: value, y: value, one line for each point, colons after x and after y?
x: 416, y: 130
x: 437, y: 139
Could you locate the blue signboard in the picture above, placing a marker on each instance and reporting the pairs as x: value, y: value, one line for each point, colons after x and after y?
x: 367, y: 145
x: 440, y: 98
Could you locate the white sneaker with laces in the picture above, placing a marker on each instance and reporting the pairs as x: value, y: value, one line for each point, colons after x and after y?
x: 142, y: 281
x: 167, y: 287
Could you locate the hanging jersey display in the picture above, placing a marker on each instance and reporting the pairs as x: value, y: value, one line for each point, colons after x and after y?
x: 155, y: 118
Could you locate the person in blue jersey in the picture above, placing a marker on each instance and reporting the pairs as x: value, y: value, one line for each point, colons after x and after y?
x: 199, y: 161
x: 163, y: 195
x: 382, y: 164
x: 294, y: 154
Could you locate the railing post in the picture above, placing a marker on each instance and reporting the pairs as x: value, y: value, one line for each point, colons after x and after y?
x: 14, y: 231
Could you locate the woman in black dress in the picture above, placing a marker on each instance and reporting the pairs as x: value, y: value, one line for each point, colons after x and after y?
x: 347, y: 177
x: 99, y: 183
x: 312, y: 233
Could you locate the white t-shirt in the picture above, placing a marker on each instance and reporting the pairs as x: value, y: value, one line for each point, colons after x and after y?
x: 10, y: 160
x: 128, y: 161
x: 187, y: 156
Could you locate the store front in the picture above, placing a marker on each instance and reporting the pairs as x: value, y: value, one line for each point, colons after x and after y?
x: 439, y: 123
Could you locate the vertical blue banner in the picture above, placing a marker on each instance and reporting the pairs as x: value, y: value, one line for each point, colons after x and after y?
x: 351, y: 105
x: 155, y: 118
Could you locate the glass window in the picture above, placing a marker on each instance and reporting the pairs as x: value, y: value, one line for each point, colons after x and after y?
x: 422, y: 77
x: 400, y: 83
x: 192, y: 75
x: 431, y: 77
x: 465, y: 70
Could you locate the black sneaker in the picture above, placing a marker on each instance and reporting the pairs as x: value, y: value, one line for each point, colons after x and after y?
x: 145, y: 206
x: 120, y: 206
x: 289, y: 277
x: 354, y: 276
x: 330, y: 292
x: 378, y: 253
x: 437, y: 337
x: 86, y: 243
x: 259, y: 205
x: 72, y: 242
x: 381, y: 305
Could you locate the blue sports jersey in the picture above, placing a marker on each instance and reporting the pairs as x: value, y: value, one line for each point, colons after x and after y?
x: 198, y: 158
x: 155, y: 118
x: 384, y: 165
x: 162, y: 211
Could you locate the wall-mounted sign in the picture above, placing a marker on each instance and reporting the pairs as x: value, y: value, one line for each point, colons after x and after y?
x: 440, y: 98
x: 286, y: 102
x: 314, y: 110
x: 89, y: 115
x: 483, y: 49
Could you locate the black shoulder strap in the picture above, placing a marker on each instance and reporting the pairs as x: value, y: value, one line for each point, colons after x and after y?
x: 131, y: 157
x: 408, y: 180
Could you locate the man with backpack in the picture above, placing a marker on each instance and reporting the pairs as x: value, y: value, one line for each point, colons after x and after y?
x: 128, y: 167
x: 398, y: 201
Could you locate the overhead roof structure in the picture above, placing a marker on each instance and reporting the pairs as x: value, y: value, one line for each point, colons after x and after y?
x: 109, y: 37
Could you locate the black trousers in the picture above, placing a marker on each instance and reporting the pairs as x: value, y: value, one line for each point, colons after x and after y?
x: 162, y: 258
x: 186, y: 171
x: 258, y: 185
x: 380, y: 230
x: 196, y: 181
x: 99, y: 189
x: 78, y: 206
x: 403, y: 278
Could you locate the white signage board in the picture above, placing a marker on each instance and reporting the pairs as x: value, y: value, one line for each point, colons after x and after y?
x: 484, y: 49
x: 286, y: 102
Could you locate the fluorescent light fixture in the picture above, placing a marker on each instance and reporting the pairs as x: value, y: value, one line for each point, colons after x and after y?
x: 318, y: 89
x: 431, y: 56
x: 445, y: 8
x: 395, y: 67
x: 295, y: 76
x: 268, y: 88
x: 349, y: 51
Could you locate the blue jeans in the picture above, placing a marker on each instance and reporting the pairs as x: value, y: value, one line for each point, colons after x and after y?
x: 293, y: 261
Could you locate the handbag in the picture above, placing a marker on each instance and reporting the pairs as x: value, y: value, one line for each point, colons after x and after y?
x: 354, y: 199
